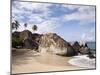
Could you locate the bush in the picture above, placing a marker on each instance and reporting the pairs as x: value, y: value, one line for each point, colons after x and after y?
x: 16, y: 42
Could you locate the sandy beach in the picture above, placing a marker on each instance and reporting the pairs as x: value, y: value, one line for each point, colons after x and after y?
x: 28, y: 61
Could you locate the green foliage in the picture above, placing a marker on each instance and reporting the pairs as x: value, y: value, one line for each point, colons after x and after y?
x: 16, y: 42
x: 15, y: 25
x: 34, y: 27
x: 25, y: 25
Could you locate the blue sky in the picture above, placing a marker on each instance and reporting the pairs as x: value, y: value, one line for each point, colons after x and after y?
x: 71, y: 22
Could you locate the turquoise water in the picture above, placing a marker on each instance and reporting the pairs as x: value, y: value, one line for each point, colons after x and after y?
x: 91, y: 45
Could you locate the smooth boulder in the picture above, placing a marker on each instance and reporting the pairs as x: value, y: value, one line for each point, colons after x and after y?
x: 57, y: 45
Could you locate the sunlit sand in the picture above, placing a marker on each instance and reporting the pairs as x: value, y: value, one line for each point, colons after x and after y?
x: 31, y: 61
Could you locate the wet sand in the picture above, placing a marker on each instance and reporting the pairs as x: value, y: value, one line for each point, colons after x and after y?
x: 28, y: 61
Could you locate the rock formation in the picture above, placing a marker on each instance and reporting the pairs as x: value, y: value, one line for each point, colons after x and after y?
x: 25, y: 34
x: 26, y: 39
x: 55, y: 44
x: 50, y: 42
x: 91, y: 55
x: 84, y: 49
x: 76, y: 46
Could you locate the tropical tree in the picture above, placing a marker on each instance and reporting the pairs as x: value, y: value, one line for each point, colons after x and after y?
x: 34, y: 28
x: 25, y: 25
x: 15, y: 25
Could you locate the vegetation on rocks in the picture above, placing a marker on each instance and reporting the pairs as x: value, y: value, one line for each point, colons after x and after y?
x: 16, y: 42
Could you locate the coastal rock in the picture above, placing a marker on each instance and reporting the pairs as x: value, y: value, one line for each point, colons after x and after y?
x: 24, y: 39
x: 50, y: 42
x: 26, y: 34
x: 84, y: 49
x: 30, y: 44
x: 55, y: 44
x: 91, y: 55
x: 28, y: 41
x: 76, y: 46
x: 36, y: 37
x: 81, y: 48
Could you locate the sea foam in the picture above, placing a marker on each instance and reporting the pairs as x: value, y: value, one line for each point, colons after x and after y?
x: 82, y: 61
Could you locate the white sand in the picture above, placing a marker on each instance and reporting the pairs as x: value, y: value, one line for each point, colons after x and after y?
x: 35, y: 62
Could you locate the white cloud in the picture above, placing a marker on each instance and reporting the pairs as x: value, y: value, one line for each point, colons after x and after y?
x: 89, y: 35
x: 29, y: 7
x: 48, y: 26
x: 35, y: 18
x: 22, y: 9
x: 71, y: 7
x: 44, y: 25
x: 84, y: 14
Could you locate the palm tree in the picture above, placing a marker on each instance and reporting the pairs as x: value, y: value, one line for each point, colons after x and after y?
x: 34, y: 28
x: 15, y: 25
x: 25, y: 25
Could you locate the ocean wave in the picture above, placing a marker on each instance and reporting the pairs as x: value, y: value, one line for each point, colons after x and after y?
x: 82, y: 61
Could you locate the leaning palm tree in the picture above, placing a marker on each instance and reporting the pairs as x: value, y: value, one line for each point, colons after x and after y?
x: 15, y: 25
x: 34, y: 28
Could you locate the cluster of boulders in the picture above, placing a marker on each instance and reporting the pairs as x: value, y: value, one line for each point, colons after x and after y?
x: 82, y: 49
x: 51, y: 42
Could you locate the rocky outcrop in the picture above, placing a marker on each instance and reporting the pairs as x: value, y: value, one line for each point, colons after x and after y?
x: 76, y: 46
x: 36, y: 37
x: 84, y: 49
x: 30, y: 44
x: 26, y: 34
x: 26, y: 39
x: 55, y: 44
x: 91, y: 55
x: 50, y: 42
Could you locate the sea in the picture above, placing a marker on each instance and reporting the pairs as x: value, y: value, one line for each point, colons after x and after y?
x: 91, y: 45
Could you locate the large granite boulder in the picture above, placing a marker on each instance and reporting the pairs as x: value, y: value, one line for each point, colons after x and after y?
x: 55, y: 44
